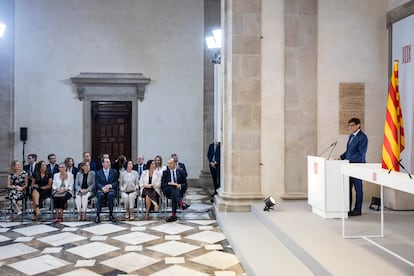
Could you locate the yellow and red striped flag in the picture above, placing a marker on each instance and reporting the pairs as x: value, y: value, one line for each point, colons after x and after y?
x: 394, y: 126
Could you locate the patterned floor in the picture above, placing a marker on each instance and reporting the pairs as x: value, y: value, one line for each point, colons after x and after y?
x: 194, y: 245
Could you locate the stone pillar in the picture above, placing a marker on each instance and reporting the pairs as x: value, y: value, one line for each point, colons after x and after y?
x: 301, y: 93
x: 241, y: 60
x: 211, y: 22
x: 7, y: 131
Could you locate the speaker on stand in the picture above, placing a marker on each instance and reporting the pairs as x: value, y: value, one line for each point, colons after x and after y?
x: 23, y: 138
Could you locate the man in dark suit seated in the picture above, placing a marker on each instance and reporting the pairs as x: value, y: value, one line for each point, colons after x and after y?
x: 174, y: 186
x: 106, y: 188
x: 88, y: 158
x: 139, y: 166
x: 52, y: 167
x: 178, y: 164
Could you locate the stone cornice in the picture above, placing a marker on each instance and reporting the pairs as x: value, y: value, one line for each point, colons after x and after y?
x: 136, y: 80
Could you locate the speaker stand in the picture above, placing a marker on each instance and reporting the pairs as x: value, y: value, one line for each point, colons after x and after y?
x: 24, y: 161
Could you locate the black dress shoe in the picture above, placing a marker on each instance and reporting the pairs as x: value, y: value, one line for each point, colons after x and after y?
x: 354, y: 213
x: 97, y: 219
x: 171, y: 219
x: 185, y: 206
x: 112, y: 218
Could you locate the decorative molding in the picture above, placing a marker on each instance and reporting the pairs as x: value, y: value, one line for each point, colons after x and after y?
x: 399, y: 13
x: 135, y: 80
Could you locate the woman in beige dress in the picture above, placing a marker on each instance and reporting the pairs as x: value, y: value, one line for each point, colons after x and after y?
x: 128, y: 183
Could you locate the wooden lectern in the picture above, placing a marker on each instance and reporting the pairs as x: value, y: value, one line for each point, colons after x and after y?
x: 325, y: 184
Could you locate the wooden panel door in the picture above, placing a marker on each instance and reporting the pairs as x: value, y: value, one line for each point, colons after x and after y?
x: 111, y: 129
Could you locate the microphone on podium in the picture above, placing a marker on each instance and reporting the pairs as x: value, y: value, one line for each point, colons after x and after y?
x: 331, y: 146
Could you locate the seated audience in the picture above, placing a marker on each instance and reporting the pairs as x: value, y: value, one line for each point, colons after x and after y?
x: 61, y: 190
x: 174, y: 186
x: 106, y: 188
x: 41, y: 188
x: 17, y: 182
x: 128, y: 182
x: 150, y: 184
x: 179, y: 165
x: 70, y: 166
x: 88, y: 158
x: 84, y: 189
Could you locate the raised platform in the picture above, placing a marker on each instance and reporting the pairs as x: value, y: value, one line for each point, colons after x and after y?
x: 291, y: 240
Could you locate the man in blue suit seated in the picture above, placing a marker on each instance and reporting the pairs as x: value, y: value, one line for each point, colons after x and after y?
x: 356, y: 150
x: 174, y: 186
x: 106, y: 188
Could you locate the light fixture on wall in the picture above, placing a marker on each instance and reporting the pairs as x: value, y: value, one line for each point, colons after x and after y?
x: 2, y: 29
x: 269, y: 203
x: 214, y: 43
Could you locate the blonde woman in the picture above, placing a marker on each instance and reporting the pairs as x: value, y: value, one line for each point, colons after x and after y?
x: 128, y: 183
x: 62, y: 190
x: 150, y: 184
x: 17, y: 182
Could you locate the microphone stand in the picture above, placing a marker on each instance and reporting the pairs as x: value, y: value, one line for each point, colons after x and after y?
x: 330, y: 146
x: 330, y: 153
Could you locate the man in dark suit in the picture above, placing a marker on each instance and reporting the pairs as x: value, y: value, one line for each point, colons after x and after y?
x: 356, y: 150
x: 30, y: 169
x: 88, y: 158
x: 139, y: 166
x: 178, y: 164
x: 52, y: 167
x: 106, y: 188
x: 213, y: 156
x: 174, y: 186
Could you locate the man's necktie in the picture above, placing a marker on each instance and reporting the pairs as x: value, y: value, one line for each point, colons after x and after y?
x: 352, y: 138
x: 106, y: 175
x: 174, y: 177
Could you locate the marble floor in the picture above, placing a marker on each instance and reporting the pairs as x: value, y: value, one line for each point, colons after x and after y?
x: 193, y: 245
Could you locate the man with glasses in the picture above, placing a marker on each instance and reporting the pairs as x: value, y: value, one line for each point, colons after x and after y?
x: 356, y: 150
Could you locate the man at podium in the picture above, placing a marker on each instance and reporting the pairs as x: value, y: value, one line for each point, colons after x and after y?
x: 356, y: 149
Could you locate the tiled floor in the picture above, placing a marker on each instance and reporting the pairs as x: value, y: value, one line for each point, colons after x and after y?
x: 194, y: 245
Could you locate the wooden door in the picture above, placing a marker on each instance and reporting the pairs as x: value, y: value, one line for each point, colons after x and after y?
x: 111, y: 129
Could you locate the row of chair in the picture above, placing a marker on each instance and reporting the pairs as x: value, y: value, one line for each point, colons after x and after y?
x: 48, y: 208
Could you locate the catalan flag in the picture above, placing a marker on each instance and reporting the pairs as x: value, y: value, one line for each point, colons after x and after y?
x: 394, y: 126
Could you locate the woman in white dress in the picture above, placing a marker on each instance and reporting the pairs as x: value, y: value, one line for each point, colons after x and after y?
x: 61, y: 190
x: 128, y: 183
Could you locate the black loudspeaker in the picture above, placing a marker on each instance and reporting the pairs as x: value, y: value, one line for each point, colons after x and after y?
x: 23, y: 134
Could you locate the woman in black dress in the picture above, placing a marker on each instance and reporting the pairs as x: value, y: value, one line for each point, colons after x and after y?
x: 150, y: 183
x: 41, y: 188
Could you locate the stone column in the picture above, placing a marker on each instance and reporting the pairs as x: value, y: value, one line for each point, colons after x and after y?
x: 211, y: 22
x: 241, y: 59
x: 7, y: 131
x: 301, y: 93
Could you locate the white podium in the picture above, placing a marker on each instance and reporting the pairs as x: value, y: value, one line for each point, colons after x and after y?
x: 325, y: 187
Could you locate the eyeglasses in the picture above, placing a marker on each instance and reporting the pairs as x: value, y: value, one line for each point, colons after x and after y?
x: 351, y: 125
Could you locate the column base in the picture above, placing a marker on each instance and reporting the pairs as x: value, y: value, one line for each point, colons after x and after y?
x: 225, y: 202
x: 294, y: 195
x: 205, y: 180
